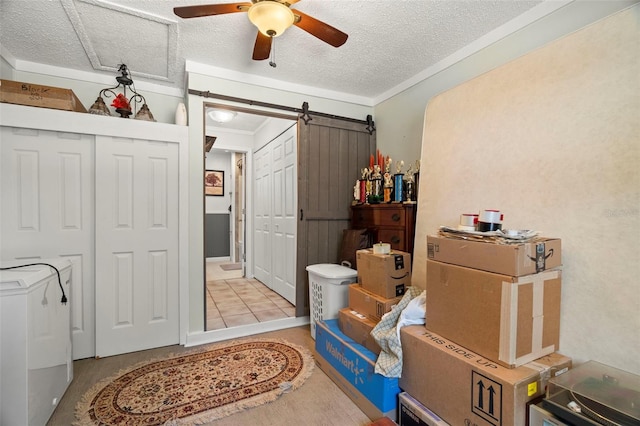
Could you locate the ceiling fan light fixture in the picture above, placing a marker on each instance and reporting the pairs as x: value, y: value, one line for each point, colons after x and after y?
x: 222, y: 115
x: 271, y: 17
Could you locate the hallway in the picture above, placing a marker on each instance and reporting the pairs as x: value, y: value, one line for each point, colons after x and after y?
x: 233, y: 300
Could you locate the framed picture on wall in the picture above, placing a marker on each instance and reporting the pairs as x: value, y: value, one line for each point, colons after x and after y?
x: 214, y: 182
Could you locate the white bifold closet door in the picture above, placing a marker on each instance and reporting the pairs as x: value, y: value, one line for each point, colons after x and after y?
x: 46, y: 211
x: 275, y: 219
x: 262, y: 216
x: 136, y: 245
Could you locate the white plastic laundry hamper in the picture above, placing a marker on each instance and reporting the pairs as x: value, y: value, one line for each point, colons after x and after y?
x: 328, y: 291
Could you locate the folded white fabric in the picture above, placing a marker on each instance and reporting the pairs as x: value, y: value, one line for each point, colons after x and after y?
x: 414, y: 313
x: 387, y: 332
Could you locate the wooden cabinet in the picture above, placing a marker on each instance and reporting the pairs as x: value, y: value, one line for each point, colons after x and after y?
x: 390, y: 223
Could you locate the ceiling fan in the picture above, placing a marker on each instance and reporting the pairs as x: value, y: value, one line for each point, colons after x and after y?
x: 272, y: 17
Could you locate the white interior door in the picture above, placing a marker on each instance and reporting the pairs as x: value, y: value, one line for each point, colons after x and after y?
x: 47, y: 211
x: 239, y: 207
x: 262, y: 216
x: 137, y: 291
x: 232, y: 226
x: 284, y: 214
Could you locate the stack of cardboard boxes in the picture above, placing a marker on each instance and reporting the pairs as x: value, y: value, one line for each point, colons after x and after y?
x: 492, y: 331
x: 346, y: 350
x: 382, y: 281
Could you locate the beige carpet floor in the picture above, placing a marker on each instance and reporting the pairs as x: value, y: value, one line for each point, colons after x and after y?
x: 317, y: 402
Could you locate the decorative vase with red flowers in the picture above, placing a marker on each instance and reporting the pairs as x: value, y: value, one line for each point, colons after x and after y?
x: 121, y: 104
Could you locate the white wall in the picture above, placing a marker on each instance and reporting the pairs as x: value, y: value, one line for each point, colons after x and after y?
x: 6, y: 70
x: 271, y: 129
x: 219, y: 159
x: 230, y: 141
x: 162, y: 105
x: 196, y: 105
x: 551, y: 139
x: 399, y: 119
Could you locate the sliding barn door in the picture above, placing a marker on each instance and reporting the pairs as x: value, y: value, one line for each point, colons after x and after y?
x: 136, y: 245
x: 331, y: 152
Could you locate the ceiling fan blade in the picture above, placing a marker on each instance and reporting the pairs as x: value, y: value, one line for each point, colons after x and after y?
x: 210, y: 9
x: 262, y: 48
x: 324, y: 32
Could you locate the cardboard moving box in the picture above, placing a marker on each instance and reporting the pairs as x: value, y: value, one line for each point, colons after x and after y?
x: 370, y: 304
x: 513, y: 259
x: 358, y: 327
x: 465, y: 388
x: 352, y: 367
x: 15, y: 92
x: 387, y: 275
x: 510, y: 320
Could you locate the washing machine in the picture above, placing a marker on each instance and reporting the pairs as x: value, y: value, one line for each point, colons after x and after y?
x: 36, y: 364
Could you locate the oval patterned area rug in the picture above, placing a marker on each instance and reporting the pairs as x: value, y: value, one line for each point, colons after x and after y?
x: 199, y: 386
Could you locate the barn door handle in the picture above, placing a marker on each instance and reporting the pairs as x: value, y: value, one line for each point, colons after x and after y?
x: 301, y: 214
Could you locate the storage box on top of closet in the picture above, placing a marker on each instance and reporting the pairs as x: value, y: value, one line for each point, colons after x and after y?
x: 36, y: 363
x: 37, y: 95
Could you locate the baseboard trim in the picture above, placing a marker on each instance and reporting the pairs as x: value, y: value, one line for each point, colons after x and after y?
x: 218, y: 259
x: 212, y: 336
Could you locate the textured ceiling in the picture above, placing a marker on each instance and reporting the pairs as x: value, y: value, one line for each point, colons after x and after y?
x: 390, y: 41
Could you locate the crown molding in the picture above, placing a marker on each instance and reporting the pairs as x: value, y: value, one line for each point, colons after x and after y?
x: 225, y: 74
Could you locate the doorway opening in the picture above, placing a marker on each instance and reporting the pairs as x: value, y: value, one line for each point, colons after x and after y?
x: 233, y: 296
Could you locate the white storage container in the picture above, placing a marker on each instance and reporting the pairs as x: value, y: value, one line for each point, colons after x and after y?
x: 36, y: 363
x: 328, y: 291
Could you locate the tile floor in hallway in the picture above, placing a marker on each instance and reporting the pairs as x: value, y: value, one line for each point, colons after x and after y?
x: 235, y: 300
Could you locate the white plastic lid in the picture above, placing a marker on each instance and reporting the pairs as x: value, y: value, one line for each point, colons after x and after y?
x: 27, y: 276
x: 332, y: 270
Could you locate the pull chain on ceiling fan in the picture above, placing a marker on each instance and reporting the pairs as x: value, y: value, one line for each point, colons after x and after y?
x: 272, y: 18
x: 272, y: 61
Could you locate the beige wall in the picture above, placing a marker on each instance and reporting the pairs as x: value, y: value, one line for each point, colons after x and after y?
x: 552, y: 139
x: 399, y: 119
